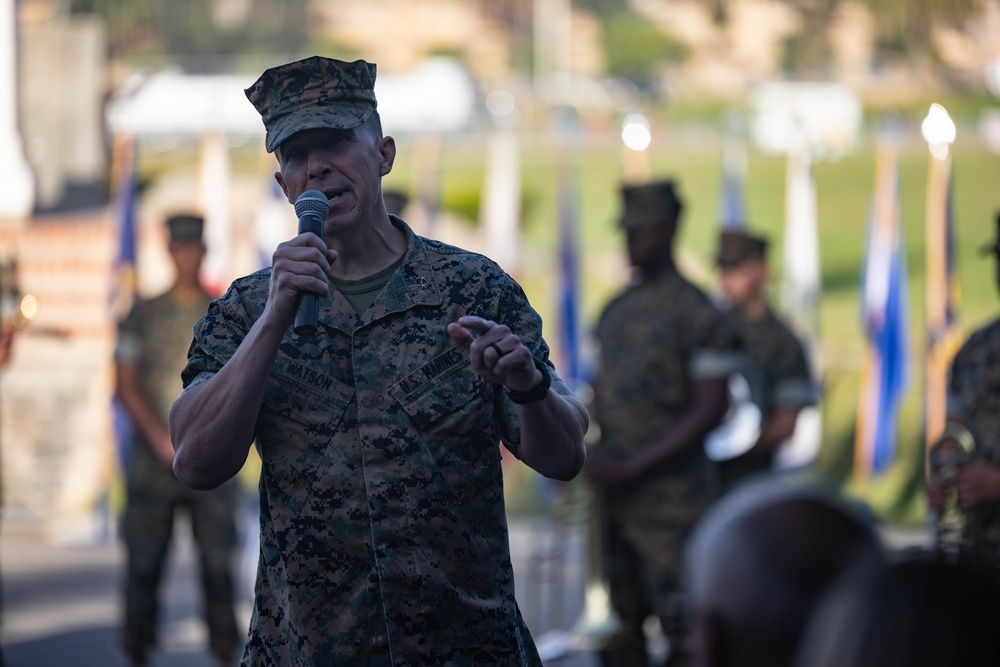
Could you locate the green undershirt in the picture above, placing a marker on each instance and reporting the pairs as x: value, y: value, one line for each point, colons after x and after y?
x: 362, y: 293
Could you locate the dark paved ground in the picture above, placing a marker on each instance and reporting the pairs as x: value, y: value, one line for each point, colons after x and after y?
x: 62, y: 604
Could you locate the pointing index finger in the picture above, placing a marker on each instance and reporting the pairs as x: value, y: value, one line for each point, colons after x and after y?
x: 476, y: 325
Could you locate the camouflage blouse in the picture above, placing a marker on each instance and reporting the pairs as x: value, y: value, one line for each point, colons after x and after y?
x: 383, y: 530
x: 656, y: 338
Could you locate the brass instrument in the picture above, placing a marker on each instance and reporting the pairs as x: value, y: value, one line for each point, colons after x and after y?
x: 957, y: 531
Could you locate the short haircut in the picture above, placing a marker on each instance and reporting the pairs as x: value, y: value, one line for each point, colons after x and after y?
x: 764, y: 554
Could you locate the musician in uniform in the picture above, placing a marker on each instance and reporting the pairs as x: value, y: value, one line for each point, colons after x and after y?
x: 974, y: 417
x: 659, y: 388
x: 776, y: 364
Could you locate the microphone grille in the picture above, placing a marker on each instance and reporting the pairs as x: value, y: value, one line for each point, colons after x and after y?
x: 312, y: 201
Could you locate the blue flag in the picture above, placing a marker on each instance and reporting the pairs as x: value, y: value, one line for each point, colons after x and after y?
x: 123, y: 280
x: 732, y: 211
x: 885, y: 322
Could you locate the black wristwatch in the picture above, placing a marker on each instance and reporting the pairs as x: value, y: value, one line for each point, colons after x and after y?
x: 539, y: 391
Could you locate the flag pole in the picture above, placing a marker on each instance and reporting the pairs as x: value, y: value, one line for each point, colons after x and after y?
x: 938, y: 130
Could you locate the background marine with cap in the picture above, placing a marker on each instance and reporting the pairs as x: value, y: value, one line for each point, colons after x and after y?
x: 776, y: 361
x: 151, y: 352
x: 660, y: 387
x: 973, y: 405
x: 383, y: 529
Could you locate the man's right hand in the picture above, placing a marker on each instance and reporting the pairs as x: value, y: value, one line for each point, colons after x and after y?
x: 301, y: 264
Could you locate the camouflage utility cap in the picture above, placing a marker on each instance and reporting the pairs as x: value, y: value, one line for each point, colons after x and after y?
x: 315, y: 93
x: 736, y: 247
x: 649, y: 206
x: 185, y: 228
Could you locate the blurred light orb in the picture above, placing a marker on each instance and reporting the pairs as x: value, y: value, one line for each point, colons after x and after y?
x: 938, y: 130
x: 635, y: 132
x: 500, y: 102
x: 29, y: 306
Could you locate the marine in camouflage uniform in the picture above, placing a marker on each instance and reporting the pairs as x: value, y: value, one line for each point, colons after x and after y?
x: 660, y: 387
x: 974, y: 410
x: 150, y: 354
x: 775, y: 362
x: 383, y: 530
x: 974, y: 401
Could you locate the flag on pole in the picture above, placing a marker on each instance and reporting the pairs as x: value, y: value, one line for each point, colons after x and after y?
x: 944, y: 336
x: 800, y: 294
x: 568, y: 196
x: 800, y: 284
x: 732, y: 210
x: 124, y: 184
x: 124, y: 286
x: 569, y: 282
x: 214, y: 201
x: 885, y: 322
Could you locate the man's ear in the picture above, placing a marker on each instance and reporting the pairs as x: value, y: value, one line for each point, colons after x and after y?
x: 387, y: 148
x: 281, y: 183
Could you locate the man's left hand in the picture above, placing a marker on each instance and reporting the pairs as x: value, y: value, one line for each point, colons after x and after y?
x: 496, y: 353
x: 977, y: 482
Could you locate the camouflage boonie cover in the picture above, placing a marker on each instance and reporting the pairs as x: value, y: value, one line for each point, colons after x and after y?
x: 313, y: 93
x: 383, y: 530
x: 974, y: 399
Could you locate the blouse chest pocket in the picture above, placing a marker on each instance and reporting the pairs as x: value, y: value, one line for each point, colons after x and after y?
x: 440, y: 387
x: 306, y: 395
x: 452, y: 410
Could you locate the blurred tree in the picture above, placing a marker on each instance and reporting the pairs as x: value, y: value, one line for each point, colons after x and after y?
x: 210, y: 32
x: 904, y: 28
x: 517, y: 18
x: 604, y: 8
x: 635, y: 48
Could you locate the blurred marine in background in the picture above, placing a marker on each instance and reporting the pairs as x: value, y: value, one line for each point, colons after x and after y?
x: 971, y: 440
x: 660, y: 387
x: 151, y: 352
x: 776, y: 363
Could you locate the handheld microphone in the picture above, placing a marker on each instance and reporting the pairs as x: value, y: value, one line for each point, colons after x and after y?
x: 311, y: 208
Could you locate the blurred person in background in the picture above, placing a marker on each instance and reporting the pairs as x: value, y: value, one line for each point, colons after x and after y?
x: 973, y: 428
x: 383, y: 531
x: 659, y: 388
x: 151, y: 353
x: 916, y: 613
x: 760, y: 561
x: 776, y: 361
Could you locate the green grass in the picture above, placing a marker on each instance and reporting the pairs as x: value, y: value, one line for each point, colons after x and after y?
x: 687, y: 148
x: 844, y: 190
